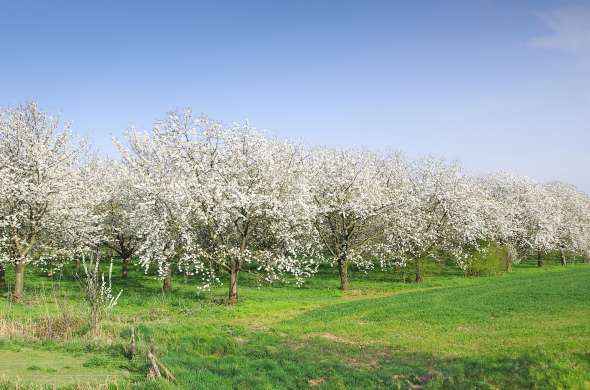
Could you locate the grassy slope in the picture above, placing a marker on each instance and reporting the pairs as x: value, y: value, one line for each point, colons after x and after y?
x: 527, y: 329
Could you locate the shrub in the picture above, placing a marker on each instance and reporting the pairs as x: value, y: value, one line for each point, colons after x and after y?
x: 491, y: 260
x: 97, y: 291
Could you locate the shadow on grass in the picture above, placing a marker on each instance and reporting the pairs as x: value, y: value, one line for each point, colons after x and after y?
x: 266, y: 361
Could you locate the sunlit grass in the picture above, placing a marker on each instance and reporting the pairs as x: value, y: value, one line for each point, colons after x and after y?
x: 527, y: 329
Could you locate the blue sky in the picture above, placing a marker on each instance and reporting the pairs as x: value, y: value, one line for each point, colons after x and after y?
x: 499, y: 85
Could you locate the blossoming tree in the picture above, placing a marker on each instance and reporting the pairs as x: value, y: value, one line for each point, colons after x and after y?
x: 351, y: 193
x: 120, y: 222
x: 237, y: 198
x: 573, y: 220
x: 441, y: 211
x: 39, y: 186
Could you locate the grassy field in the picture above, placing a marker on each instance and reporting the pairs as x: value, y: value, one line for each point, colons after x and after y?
x: 527, y: 329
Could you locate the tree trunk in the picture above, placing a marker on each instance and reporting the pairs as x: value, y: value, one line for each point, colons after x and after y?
x: 167, y: 286
x: 562, y: 256
x: 77, y: 265
x: 125, y: 268
x: 19, y: 280
x: 508, y: 264
x: 419, y: 276
x: 511, y: 256
x: 2, y: 277
x: 233, y: 283
x: 343, y: 271
x: 540, y: 261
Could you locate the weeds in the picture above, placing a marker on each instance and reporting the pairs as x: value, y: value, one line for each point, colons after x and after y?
x: 97, y: 291
x: 63, y: 325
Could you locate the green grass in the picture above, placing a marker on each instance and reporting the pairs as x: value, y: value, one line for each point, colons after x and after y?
x: 26, y: 365
x: 527, y: 329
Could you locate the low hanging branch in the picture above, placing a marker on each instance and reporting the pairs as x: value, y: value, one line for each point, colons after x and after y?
x: 157, y: 367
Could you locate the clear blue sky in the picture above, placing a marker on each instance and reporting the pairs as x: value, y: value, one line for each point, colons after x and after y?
x: 499, y: 85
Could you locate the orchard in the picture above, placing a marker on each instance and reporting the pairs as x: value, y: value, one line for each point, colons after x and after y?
x: 209, y: 203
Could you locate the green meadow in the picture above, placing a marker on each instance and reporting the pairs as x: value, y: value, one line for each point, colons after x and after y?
x: 525, y: 329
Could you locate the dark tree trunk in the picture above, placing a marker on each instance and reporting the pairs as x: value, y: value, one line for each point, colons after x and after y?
x: 77, y: 265
x: 125, y: 268
x: 2, y: 277
x: 540, y: 261
x: 419, y: 275
x: 167, y: 286
x: 233, y: 283
x: 562, y: 258
x: 343, y: 271
x: 19, y: 281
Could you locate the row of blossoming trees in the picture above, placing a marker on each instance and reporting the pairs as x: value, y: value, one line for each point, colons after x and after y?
x: 205, y: 199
